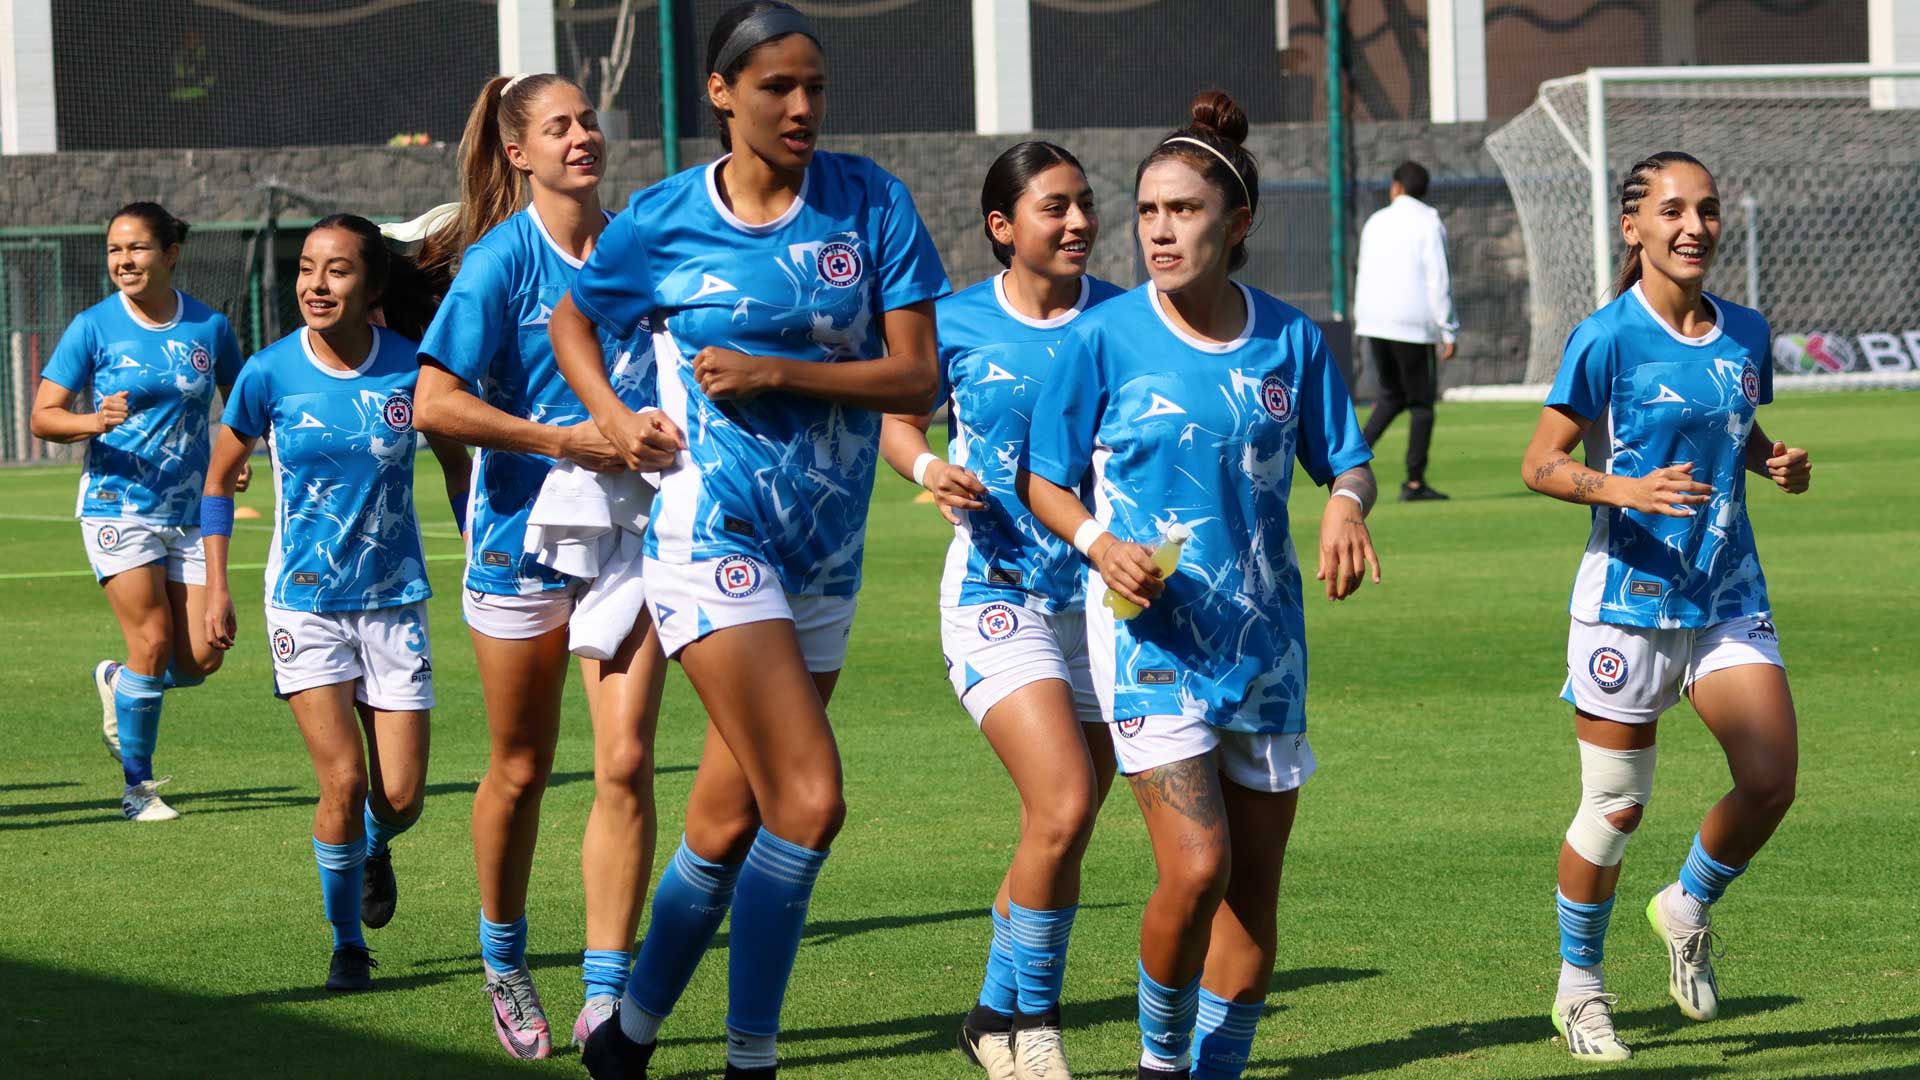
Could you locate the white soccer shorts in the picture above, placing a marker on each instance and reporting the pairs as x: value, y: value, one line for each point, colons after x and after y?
x: 385, y: 652
x: 1631, y: 674
x: 1268, y: 761
x: 115, y: 546
x: 517, y: 618
x: 690, y: 600
x: 996, y: 648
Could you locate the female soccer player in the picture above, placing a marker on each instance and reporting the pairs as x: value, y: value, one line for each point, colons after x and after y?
x: 1010, y: 601
x: 487, y: 379
x: 152, y: 357
x: 346, y: 580
x: 1669, y: 599
x: 1188, y: 401
x: 797, y: 292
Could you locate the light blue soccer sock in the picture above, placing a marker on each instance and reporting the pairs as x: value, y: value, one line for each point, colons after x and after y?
x: 1039, y: 940
x: 136, y: 712
x: 380, y: 832
x: 1223, y: 1036
x: 688, y: 906
x: 769, y: 913
x: 503, y: 945
x: 1705, y: 878
x: 1166, y: 1018
x: 1583, y: 930
x: 997, y: 990
x: 342, y: 867
x: 605, y: 971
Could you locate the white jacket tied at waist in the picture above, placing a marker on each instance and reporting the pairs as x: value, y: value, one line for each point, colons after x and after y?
x: 1404, y: 292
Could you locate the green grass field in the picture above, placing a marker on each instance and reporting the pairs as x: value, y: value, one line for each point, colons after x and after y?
x: 1417, y: 924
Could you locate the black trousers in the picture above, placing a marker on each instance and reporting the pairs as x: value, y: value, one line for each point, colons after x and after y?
x: 1409, y: 382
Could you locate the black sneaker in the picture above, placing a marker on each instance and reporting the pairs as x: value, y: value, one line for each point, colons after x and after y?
x: 1165, y: 1074
x: 735, y: 1072
x: 610, y: 1055
x: 351, y: 970
x: 1423, y: 493
x: 378, y: 891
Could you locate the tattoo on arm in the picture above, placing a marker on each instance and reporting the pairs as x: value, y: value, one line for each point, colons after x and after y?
x: 1541, y: 474
x: 1585, y: 485
x: 1189, y: 788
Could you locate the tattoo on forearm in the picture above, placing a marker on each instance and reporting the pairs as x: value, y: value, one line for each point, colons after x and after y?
x: 1585, y: 485
x: 1189, y: 788
x: 1541, y: 474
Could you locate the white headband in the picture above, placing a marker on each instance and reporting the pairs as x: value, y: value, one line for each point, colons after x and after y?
x: 515, y: 81
x: 1244, y: 193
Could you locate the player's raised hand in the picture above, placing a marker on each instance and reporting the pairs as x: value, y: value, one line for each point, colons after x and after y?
x: 955, y: 488
x: 112, y: 412
x: 726, y: 373
x: 1128, y: 570
x: 222, y: 627
x: 1671, y: 492
x: 1790, y: 467
x: 596, y: 449
x: 1346, y: 549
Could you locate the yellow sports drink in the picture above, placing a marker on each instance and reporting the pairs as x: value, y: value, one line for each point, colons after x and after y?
x: 1166, y: 557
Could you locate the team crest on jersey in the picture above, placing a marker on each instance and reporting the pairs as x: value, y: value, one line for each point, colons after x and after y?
x: 998, y: 622
x: 737, y: 576
x: 1608, y: 668
x: 109, y: 537
x: 398, y: 413
x: 1750, y: 384
x: 200, y: 358
x: 1276, y: 398
x: 1131, y: 726
x: 283, y: 643
x: 838, y: 264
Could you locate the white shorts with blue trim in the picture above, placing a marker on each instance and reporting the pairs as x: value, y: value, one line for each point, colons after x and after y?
x: 115, y: 546
x: 1632, y: 674
x: 385, y: 652
x: 690, y: 600
x: 517, y: 618
x: 994, y: 649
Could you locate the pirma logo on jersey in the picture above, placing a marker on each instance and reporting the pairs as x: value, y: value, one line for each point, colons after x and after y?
x: 1276, y: 398
x: 1750, y: 384
x: 1608, y: 668
x: 109, y: 537
x: 737, y: 576
x: 1131, y: 726
x: 398, y: 413
x: 839, y: 264
x: 998, y: 622
x: 283, y: 643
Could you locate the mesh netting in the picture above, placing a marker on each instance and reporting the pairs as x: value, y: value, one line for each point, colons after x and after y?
x: 1822, y: 206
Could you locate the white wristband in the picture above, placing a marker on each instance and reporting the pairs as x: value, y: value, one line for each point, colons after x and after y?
x: 1354, y: 495
x: 920, y: 466
x: 1084, y: 536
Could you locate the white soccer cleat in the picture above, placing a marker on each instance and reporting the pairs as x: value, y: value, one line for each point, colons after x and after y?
x: 991, y: 1050
x: 142, y: 802
x: 1690, y: 956
x: 1586, y: 1022
x: 104, y: 673
x: 1038, y: 1055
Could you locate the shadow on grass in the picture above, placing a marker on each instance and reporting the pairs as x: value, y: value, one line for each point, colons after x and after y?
x: 42, y: 786
x: 54, y: 1019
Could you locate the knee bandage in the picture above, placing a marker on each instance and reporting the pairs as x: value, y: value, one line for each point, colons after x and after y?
x: 1610, y: 781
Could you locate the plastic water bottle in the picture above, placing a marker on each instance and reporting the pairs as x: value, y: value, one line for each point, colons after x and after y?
x: 1166, y: 557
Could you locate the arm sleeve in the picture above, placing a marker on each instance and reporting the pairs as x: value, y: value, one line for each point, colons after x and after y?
x: 71, y: 364
x: 1763, y: 359
x: 1330, y: 439
x: 1587, y: 367
x: 226, y: 356
x: 467, y: 331
x: 910, y: 269
x: 248, y: 407
x: 615, y: 288
x: 1440, y: 283
x: 1066, y: 414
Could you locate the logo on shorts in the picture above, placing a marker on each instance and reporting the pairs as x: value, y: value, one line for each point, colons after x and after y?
x: 476, y: 596
x: 423, y: 673
x: 398, y: 413
x: 1608, y: 668
x: 838, y: 264
x: 1645, y: 588
x: 283, y: 643
x: 1276, y: 398
x: 109, y: 537
x: 1763, y: 629
x: 1154, y: 676
x: 661, y: 613
x: 998, y: 622
x: 1750, y: 384
x: 200, y: 358
x: 737, y: 576
x: 1131, y: 726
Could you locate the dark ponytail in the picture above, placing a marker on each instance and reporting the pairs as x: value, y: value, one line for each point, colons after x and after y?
x: 1221, y: 124
x: 406, y: 297
x: 1007, y: 180
x: 167, y: 230
x: 1632, y: 190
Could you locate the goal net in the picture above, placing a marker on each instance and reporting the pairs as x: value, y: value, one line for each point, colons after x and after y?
x: 1818, y: 168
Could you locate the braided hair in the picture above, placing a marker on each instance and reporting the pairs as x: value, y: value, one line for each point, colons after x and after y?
x: 1634, y: 188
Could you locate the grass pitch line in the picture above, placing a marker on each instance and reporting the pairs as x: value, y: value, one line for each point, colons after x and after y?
x: 30, y: 575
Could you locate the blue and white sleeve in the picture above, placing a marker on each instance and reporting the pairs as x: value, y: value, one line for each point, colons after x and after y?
x: 71, y: 364
x: 1330, y: 438
x: 1587, y: 367
x: 249, y: 407
x: 1066, y: 415
x: 467, y: 330
x: 226, y: 353
x: 910, y: 268
x: 615, y: 288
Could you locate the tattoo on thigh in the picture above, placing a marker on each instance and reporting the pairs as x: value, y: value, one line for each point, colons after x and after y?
x: 1189, y: 788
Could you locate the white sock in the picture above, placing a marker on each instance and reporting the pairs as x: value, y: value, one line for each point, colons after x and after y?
x: 752, y: 1051
x: 1683, y: 907
x: 1151, y: 1060
x: 637, y: 1023
x: 1575, y: 979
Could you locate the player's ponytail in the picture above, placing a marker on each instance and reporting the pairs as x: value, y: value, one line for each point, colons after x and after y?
x: 1213, y: 144
x: 406, y: 297
x: 491, y: 188
x: 167, y: 230
x: 1634, y: 188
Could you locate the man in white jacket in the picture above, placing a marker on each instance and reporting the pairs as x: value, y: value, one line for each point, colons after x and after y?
x: 1403, y: 304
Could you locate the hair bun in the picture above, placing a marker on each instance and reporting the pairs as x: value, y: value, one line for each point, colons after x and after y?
x: 180, y: 228
x: 1216, y: 111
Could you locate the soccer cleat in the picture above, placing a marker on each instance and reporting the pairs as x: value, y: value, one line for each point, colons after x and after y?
x: 1690, y: 956
x: 610, y: 1055
x: 1586, y: 1022
x: 378, y: 891
x: 594, y: 1013
x: 103, y: 676
x: 1423, y: 493
x: 1149, y: 1073
x: 518, y: 1020
x: 735, y: 1072
x: 991, y: 1050
x: 141, y: 802
x: 1037, y: 1052
x: 351, y: 970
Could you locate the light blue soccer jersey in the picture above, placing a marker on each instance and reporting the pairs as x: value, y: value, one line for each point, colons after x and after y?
x: 344, y: 533
x: 151, y: 468
x: 778, y: 477
x: 1205, y: 434
x: 993, y: 361
x: 491, y: 330
x: 1665, y: 399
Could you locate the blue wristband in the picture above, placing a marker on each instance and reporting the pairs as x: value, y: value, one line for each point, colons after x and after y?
x: 459, y: 515
x: 216, y: 515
